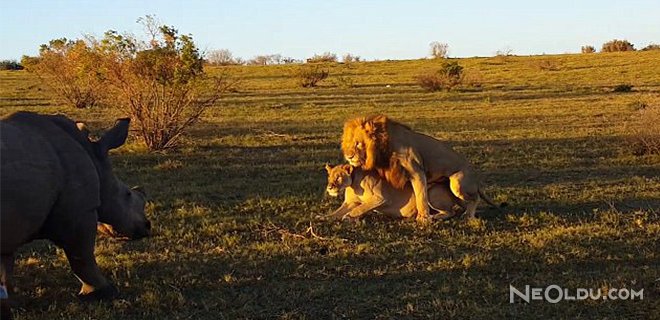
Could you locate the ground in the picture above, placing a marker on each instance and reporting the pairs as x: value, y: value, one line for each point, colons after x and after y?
x: 233, y: 209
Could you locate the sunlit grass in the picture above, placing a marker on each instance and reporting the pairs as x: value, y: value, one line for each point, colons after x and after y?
x: 233, y: 209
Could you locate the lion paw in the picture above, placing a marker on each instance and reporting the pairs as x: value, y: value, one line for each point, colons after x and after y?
x: 106, y: 293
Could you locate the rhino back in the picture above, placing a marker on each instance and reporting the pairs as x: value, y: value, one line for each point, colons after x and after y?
x: 47, y: 179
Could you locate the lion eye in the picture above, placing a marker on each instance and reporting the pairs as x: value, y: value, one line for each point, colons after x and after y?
x: 358, y: 145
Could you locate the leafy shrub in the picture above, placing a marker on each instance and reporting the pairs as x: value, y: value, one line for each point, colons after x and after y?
x: 448, y: 77
x: 325, y: 57
x: 439, y: 50
x: 309, y: 76
x: 617, y: 45
x: 71, y: 69
x: 588, y: 49
x: 622, y: 88
x: 161, y: 84
x: 10, y: 65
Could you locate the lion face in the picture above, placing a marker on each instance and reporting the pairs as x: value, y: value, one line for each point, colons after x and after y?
x: 339, y: 178
x: 357, y: 142
x: 356, y: 155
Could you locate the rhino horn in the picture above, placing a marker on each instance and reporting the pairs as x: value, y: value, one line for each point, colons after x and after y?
x: 139, y: 189
x: 115, y: 136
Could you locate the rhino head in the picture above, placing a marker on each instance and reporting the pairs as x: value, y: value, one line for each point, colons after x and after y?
x: 121, y: 213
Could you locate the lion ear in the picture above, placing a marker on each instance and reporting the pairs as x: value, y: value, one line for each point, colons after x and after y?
x: 349, y: 168
x: 328, y: 167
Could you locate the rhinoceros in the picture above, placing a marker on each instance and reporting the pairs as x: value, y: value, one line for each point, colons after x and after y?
x: 57, y: 184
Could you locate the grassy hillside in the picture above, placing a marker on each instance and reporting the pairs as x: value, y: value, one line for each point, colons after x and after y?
x: 233, y: 209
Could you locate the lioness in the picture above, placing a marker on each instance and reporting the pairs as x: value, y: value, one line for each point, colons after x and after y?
x: 400, y: 154
x: 367, y: 191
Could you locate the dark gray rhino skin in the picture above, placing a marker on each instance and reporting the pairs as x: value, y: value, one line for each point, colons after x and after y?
x: 56, y: 184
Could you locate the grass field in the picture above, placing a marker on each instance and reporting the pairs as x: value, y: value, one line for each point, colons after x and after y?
x: 233, y: 209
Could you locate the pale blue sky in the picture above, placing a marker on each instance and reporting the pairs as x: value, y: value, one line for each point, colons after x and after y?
x: 384, y: 29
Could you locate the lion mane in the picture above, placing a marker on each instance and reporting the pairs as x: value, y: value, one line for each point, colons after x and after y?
x: 374, y: 132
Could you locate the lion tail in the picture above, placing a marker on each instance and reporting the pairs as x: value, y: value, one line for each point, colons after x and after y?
x: 490, y: 201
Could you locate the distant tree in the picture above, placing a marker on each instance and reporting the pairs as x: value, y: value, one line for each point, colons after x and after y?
x: 10, y: 65
x: 617, y: 45
x: 221, y: 57
x: 348, y: 58
x: 439, y: 50
x: 289, y: 60
x: 588, y: 49
x: 325, y: 57
x: 651, y: 46
x: 260, y: 60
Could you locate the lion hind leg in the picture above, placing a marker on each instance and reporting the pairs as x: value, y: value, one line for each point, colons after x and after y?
x: 466, y: 189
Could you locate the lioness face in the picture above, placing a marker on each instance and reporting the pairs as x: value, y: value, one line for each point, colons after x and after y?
x: 339, y: 178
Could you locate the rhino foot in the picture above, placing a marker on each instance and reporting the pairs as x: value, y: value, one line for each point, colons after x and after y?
x: 5, y: 312
x: 106, y: 293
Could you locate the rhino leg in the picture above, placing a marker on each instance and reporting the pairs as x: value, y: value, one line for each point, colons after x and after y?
x: 80, y: 253
x: 6, y: 269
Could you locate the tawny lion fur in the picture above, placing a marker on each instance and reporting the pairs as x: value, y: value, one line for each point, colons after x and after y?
x: 400, y: 154
x: 366, y: 191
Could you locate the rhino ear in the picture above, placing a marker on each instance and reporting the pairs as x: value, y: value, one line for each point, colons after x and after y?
x: 83, y: 129
x: 115, y: 136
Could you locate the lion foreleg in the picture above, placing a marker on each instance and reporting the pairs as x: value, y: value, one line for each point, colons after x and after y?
x: 365, y: 207
x: 342, y: 210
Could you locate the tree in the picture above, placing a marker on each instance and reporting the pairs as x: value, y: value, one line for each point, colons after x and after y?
x: 588, y: 49
x: 439, y: 50
x: 617, y: 45
x: 222, y: 57
x: 160, y: 83
x: 325, y: 57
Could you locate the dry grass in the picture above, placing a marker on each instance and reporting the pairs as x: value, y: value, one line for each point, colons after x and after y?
x: 232, y: 209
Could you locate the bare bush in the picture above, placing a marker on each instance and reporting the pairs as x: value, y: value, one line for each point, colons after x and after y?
x: 617, y: 45
x: 548, y: 65
x: 310, y: 76
x: 320, y: 58
x: 448, y: 77
x: 71, y: 69
x: 439, y: 50
x: 588, y: 49
x: 349, y: 58
x: 646, y: 128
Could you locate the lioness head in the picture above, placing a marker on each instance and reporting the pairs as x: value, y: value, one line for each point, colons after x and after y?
x: 339, y: 178
x: 365, y: 141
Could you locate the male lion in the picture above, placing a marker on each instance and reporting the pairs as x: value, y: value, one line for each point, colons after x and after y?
x: 400, y: 154
x: 365, y: 191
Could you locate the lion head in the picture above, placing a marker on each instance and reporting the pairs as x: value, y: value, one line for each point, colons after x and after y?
x: 339, y: 178
x: 365, y: 144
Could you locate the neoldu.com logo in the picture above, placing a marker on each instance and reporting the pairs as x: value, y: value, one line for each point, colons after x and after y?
x: 554, y: 294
